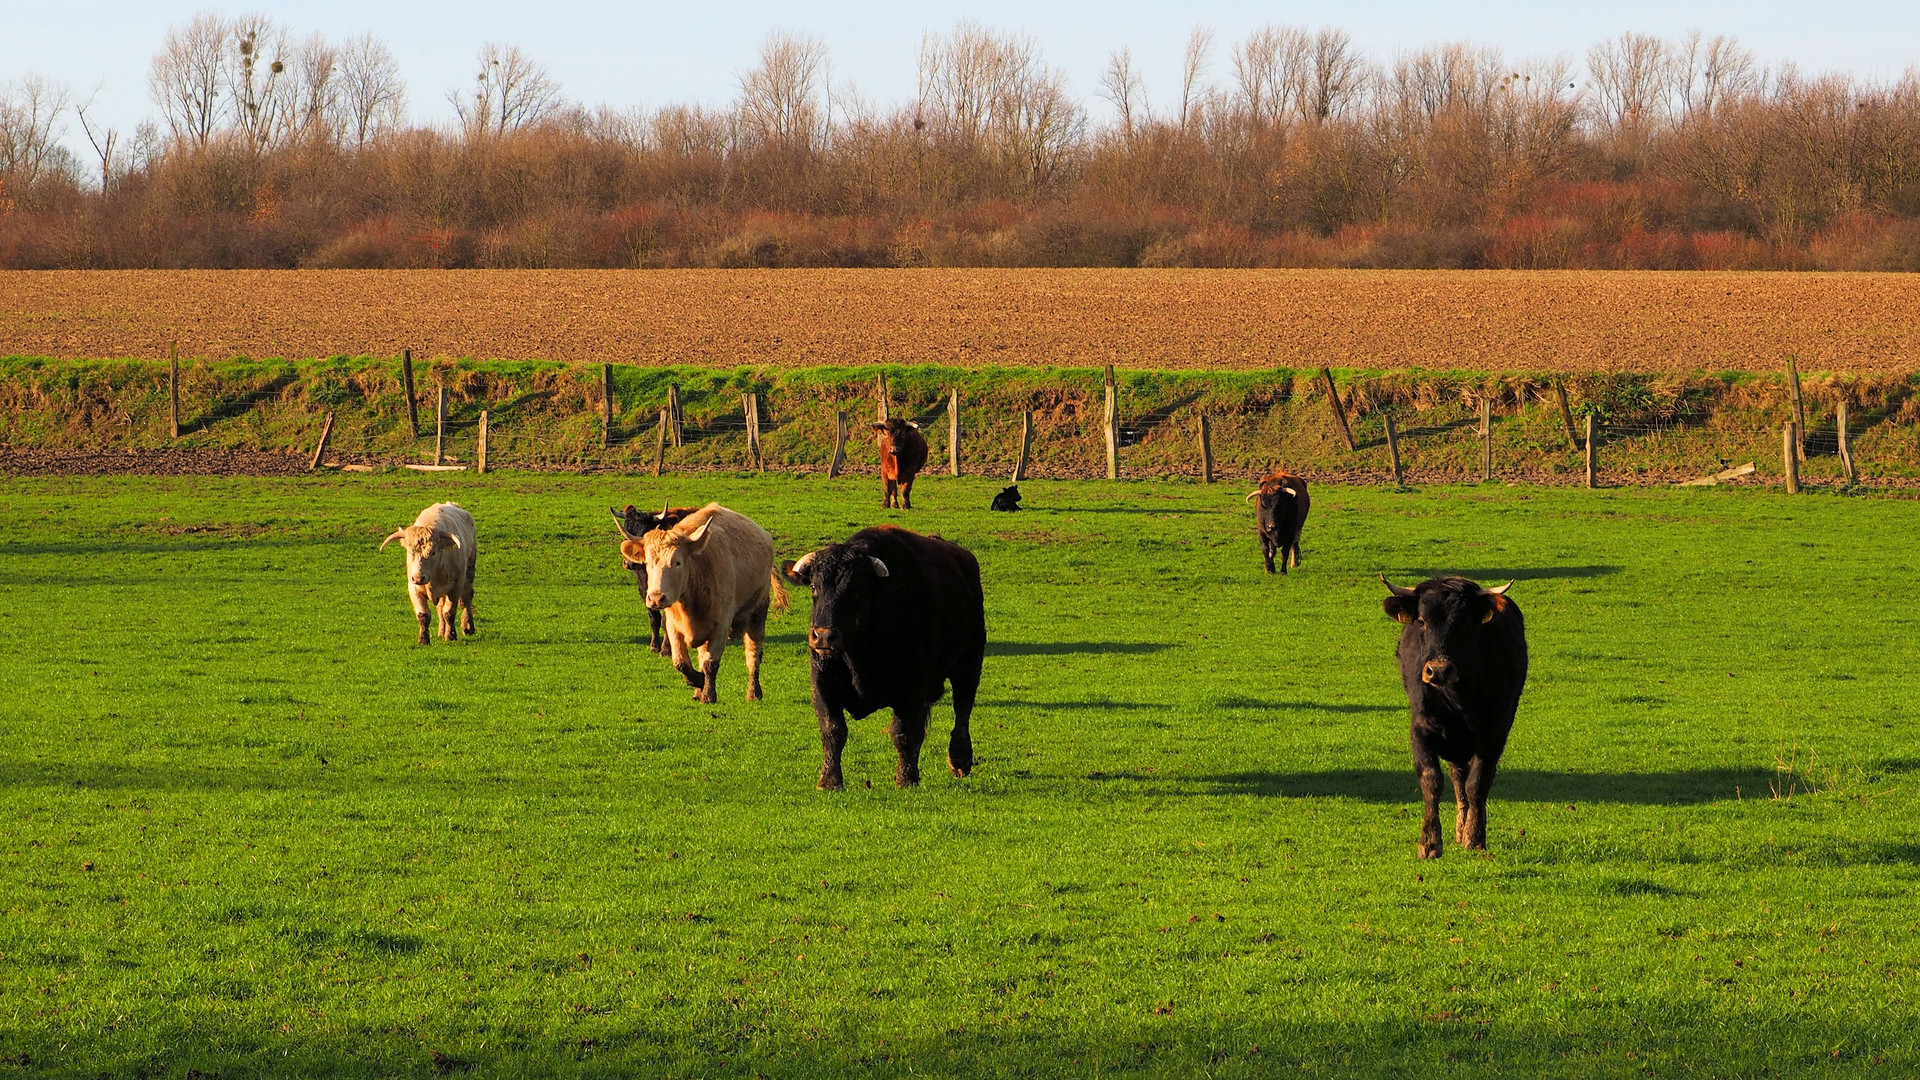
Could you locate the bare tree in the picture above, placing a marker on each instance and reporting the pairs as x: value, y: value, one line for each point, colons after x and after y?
x: 105, y: 140
x: 316, y: 108
x: 186, y: 76
x: 783, y: 99
x: 1335, y: 76
x: 992, y: 93
x: 1711, y: 72
x: 1193, y: 68
x: 260, y: 86
x: 1123, y: 86
x: 372, y: 99
x: 511, y: 90
x: 30, y: 149
x: 1631, y: 77
x: 1268, y: 73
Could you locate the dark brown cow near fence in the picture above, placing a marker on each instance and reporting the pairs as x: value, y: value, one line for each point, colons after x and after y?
x: 1463, y: 661
x: 1281, y: 513
x: 903, y: 453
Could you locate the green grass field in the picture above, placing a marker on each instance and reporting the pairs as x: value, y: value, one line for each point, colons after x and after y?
x: 248, y: 828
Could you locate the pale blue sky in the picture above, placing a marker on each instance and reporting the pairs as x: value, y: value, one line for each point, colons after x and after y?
x: 651, y: 53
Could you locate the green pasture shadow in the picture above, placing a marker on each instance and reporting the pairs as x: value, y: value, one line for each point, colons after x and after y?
x: 1676, y: 788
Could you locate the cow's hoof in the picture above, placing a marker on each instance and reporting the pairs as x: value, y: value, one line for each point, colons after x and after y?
x: 1430, y: 851
x: 958, y: 769
x: 753, y: 693
x: 830, y: 782
x: 704, y: 698
x: 906, y: 780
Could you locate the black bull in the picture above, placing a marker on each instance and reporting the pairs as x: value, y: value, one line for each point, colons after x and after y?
x: 633, y: 525
x: 1463, y: 661
x: 895, y: 616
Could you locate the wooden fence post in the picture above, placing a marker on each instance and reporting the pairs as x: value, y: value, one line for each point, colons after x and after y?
x: 953, y: 433
x: 1393, y: 452
x: 326, y: 432
x: 406, y: 383
x: 839, y: 444
x: 1593, y: 479
x: 606, y: 406
x: 1566, y: 414
x: 1026, y: 445
x: 674, y: 418
x: 750, y: 402
x: 440, y: 426
x: 1206, y: 450
x: 1789, y: 440
x: 1846, y: 444
x: 880, y: 392
x: 1111, y: 426
x: 1799, y: 410
x: 480, y: 451
x: 1339, y: 412
x: 660, y: 440
x: 173, y: 386
x: 1486, y: 439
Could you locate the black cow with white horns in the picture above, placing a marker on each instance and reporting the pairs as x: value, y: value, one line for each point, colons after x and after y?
x: 896, y: 617
x: 633, y: 525
x: 1463, y: 661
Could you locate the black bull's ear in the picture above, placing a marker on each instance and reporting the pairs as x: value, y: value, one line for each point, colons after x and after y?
x: 800, y: 572
x: 1400, y: 608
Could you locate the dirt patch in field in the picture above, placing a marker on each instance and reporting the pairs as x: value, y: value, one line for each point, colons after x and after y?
x: 148, y: 463
x: 1587, y: 321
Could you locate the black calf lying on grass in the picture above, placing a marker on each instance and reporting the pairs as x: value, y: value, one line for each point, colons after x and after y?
x: 1008, y: 499
x: 1463, y: 660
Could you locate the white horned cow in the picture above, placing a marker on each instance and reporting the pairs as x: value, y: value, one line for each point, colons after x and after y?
x: 714, y: 577
x: 440, y: 562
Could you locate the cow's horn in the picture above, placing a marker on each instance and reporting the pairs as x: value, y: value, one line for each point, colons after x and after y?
x: 1501, y: 590
x: 1250, y: 495
x: 620, y: 522
x: 666, y: 507
x: 913, y: 425
x: 1397, y: 590
x: 397, y: 534
x: 800, y: 567
x: 878, y: 566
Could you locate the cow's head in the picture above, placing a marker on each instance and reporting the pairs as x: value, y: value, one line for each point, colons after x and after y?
x: 1276, y: 498
x: 1443, y: 616
x: 846, y: 585
x: 667, y: 557
x: 894, y: 432
x: 420, y: 543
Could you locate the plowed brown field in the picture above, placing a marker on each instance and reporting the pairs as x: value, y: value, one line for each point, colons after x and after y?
x: 1478, y: 320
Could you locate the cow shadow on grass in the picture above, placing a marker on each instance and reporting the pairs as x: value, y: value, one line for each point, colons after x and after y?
x: 1304, y: 706
x: 1074, y: 648
x: 1680, y: 787
x: 1513, y: 573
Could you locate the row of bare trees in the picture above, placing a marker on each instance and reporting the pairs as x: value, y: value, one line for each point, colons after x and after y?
x: 1287, y: 147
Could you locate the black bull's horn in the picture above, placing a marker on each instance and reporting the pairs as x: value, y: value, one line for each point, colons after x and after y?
x: 620, y: 519
x: 1397, y: 590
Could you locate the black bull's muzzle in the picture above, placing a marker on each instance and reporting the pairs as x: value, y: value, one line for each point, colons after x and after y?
x: 825, y: 641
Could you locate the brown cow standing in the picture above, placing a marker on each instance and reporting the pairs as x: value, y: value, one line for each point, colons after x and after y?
x: 903, y: 453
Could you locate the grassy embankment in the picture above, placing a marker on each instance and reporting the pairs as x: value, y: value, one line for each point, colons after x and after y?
x: 1653, y: 427
x: 247, y: 828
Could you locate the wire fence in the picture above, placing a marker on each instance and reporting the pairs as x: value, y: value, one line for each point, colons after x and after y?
x: 1063, y: 425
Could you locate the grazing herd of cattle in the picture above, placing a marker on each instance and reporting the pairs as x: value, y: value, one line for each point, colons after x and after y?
x: 898, y: 617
